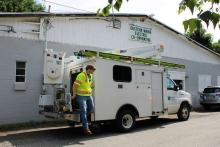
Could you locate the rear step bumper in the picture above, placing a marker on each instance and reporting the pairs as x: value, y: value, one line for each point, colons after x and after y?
x: 72, y: 116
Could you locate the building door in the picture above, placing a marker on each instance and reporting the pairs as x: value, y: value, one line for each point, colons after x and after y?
x: 143, y: 81
x: 204, y: 81
x: 218, y: 80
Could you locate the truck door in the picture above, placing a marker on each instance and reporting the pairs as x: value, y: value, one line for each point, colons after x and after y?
x: 143, y: 91
x: 172, y: 96
x: 157, y: 92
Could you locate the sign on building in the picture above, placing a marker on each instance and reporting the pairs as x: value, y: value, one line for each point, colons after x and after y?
x: 138, y: 33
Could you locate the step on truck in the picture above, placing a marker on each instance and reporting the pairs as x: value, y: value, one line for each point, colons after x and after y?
x: 126, y: 88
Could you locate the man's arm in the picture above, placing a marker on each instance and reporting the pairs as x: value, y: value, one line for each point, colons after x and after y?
x: 75, y: 86
x: 93, y: 85
x: 93, y: 82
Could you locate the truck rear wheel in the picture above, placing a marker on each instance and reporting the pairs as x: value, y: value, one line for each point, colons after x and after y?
x: 184, y: 112
x: 206, y: 107
x: 125, y: 120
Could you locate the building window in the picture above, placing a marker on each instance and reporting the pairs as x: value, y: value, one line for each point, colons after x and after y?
x: 122, y: 73
x: 20, y: 71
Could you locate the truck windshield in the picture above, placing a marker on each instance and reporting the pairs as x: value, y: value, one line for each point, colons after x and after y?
x: 211, y: 90
x: 170, y: 84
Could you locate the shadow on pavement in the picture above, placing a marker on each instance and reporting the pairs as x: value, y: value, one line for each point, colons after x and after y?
x: 74, y: 136
x: 210, y: 109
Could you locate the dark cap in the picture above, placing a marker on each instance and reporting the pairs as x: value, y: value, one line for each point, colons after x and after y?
x: 90, y: 67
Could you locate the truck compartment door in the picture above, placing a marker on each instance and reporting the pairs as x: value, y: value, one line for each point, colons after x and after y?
x: 157, y: 92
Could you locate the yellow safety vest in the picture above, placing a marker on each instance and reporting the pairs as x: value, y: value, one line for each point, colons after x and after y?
x: 84, y: 84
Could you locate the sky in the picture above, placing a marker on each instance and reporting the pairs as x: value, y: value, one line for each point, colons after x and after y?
x: 163, y: 10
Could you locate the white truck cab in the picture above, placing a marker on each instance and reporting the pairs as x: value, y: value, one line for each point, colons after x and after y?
x: 126, y: 88
x: 177, y: 97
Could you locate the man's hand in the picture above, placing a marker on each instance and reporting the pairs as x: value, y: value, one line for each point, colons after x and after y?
x: 73, y: 101
x: 93, y: 85
x: 74, y: 97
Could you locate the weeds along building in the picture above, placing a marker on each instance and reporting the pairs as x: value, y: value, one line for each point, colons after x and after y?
x: 24, y: 37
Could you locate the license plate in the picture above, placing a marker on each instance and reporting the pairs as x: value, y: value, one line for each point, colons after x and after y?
x: 210, y: 97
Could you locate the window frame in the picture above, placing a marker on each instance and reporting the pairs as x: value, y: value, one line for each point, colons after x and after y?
x: 20, y: 68
x: 124, y: 81
x: 208, y: 90
x: 168, y: 81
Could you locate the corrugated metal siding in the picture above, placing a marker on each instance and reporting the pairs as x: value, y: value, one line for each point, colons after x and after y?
x: 22, y: 106
x: 98, y: 33
x: 28, y: 28
x: 90, y: 32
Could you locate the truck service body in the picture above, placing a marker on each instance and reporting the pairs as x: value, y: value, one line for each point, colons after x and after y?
x: 126, y: 88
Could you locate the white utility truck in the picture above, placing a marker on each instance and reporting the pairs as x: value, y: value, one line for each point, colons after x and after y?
x: 126, y: 88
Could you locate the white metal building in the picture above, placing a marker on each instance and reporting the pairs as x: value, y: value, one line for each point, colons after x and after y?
x: 24, y: 37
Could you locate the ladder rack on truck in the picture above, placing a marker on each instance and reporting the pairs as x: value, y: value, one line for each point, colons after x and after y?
x: 137, y: 60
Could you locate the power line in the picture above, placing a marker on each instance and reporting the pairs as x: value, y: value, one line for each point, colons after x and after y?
x: 68, y: 6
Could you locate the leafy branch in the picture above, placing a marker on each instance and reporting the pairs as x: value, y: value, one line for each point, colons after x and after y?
x: 209, y: 15
x: 112, y: 4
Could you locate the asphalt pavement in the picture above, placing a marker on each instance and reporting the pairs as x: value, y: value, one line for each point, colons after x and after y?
x: 201, y: 130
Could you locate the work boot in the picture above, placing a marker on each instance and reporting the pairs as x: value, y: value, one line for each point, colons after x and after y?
x: 87, y: 132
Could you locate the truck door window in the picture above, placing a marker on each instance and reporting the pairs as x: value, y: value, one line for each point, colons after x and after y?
x: 170, y: 84
x: 122, y: 73
x: 179, y: 83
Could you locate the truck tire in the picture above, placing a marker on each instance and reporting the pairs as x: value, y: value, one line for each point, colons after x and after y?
x: 207, y: 107
x: 184, y: 112
x: 125, y: 120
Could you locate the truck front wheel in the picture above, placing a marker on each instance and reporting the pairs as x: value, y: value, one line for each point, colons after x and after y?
x: 125, y: 120
x: 184, y: 112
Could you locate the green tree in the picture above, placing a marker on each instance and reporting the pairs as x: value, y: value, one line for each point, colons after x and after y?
x: 112, y: 4
x: 202, y: 37
x: 20, y: 6
x: 216, y: 46
x: 205, y: 10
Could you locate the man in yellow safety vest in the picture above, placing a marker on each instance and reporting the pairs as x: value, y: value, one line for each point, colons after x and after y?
x: 82, y: 92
